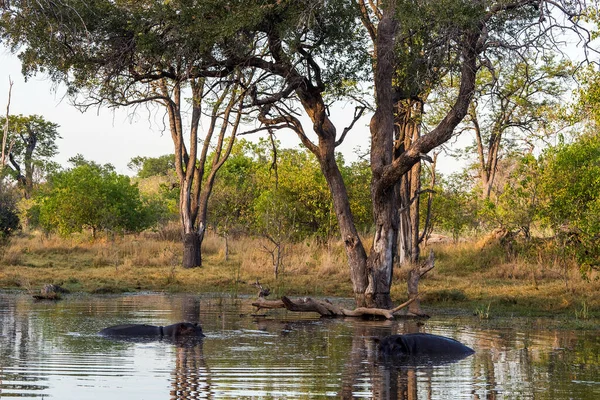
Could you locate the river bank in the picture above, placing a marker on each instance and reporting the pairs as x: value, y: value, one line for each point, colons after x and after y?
x: 468, y: 277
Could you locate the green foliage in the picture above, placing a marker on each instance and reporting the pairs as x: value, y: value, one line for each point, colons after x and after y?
x: 427, y: 36
x: 33, y: 146
x: 290, y: 198
x: 517, y: 206
x: 454, y: 208
x: 357, y: 177
x: 95, y: 197
x: 104, y: 47
x: 234, y: 192
x: 9, y: 219
x: 588, y: 95
x: 298, y: 195
x: 570, y: 185
x: 146, y: 167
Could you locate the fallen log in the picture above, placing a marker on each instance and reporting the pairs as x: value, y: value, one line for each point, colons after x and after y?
x: 267, y: 304
x: 326, y: 308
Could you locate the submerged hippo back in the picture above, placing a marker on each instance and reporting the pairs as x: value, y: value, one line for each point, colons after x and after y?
x: 422, y: 344
x: 132, y: 330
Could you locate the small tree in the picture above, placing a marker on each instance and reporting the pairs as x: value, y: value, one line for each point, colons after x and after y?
x: 357, y: 176
x: 94, y: 197
x: 454, y: 206
x: 233, y: 196
x: 275, y: 222
x: 518, y: 203
x: 513, y: 110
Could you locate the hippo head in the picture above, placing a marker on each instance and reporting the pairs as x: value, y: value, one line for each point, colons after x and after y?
x: 393, y: 345
x: 183, y: 329
x: 189, y: 329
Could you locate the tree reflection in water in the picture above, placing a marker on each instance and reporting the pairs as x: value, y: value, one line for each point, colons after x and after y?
x: 53, y: 350
x: 191, y: 378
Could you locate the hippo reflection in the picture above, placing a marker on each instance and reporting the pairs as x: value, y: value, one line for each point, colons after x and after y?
x: 180, y: 330
x: 422, y: 348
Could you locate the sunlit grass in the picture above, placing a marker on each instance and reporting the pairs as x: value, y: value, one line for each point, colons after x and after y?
x: 468, y: 275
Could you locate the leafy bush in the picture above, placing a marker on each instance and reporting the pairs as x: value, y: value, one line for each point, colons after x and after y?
x: 9, y: 219
x: 570, y: 186
x: 93, y: 197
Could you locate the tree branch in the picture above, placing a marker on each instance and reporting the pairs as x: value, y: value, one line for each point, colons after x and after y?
x: 5, y: 136
x: 358, y: 112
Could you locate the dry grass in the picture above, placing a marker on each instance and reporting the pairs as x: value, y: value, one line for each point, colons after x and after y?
x: 528, y: 282
x: 468, y: 275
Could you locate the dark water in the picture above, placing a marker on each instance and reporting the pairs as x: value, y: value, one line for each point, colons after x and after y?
x: 51, y: 350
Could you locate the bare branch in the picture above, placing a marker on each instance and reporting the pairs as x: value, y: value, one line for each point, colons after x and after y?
x: 358, y: 112
x: 291, y: 122
x: 5, y: 136
x: 265, y: 128
x: 366, y: 20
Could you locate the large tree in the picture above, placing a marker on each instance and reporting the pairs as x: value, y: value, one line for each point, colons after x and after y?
x: 515, y: 108
x: 124, y: 53
x: 412, y: 43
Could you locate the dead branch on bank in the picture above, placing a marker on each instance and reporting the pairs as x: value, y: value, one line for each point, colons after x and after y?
x: 327, y: 309
x: 414, y: 276
x: 3, y: 151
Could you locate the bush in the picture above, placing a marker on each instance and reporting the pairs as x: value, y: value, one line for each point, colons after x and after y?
x: 9, y: 218
x: 94, y: 197
x: 570, y: 190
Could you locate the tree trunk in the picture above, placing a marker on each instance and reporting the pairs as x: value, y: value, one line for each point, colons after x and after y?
x: 487, y: 167
x: 3, y: 148
x: 380, y: 264
x: 414, y: 210
x: 31, y: 142
x: 407, y: 118
x: 385, y: 212
x: 315, y: 107
x: 355, y: 251
x: 191, y: 250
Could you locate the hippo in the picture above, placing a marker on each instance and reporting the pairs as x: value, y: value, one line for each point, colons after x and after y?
x: 176, y: 331
x: 422, y: 348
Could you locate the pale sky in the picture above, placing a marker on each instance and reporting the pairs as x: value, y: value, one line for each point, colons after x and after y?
x: 111, y: 136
